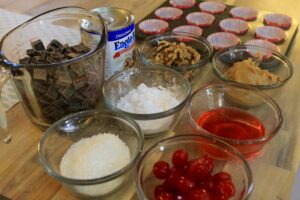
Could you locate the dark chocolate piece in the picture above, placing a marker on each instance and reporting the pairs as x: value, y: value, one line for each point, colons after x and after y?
x: 52, y: 93
x: 24, y: 60
x: 54, y: 44
x: 79, y: 48
x: 38, y: 45
x: 31, y: 52
x: 72, y: 55
x: 67, y: 92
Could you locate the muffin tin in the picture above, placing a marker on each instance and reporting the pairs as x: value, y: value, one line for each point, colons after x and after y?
x: 283, y: 46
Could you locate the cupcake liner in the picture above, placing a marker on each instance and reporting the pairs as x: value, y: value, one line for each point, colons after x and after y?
x: 278, y: 20
x: 270, y: 33
x: 236, y: 26
x: 221, y: 40
x: 261, y: 43
x: 200, y: 19
x: 168, y: 13
x: 182, y: 3
x: 153, y: 26
x: 244, y: 13
x: 189, y: 29
x: 212, y: 7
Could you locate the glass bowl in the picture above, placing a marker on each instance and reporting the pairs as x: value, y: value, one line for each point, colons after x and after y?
x: 49, y: 88
x: 201, y: 45
x: 58, y: 138
x: 151, y: 123
x: 266, y: 59
x: 243, y: 117
x: 226, y: 159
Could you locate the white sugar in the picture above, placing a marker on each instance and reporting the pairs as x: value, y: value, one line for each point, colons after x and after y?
x: 95, y: 157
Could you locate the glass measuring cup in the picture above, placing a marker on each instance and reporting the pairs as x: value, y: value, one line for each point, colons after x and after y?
x: 50, y: 89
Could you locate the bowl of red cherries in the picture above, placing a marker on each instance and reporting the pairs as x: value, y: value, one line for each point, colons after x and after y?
x: 192, y: 167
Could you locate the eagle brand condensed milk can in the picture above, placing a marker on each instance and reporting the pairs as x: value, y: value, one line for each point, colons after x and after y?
x: 121, y: 38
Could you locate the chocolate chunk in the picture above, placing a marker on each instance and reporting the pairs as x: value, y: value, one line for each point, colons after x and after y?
x: 52, y: 93
x: 51, y: 80
x: 79, y: 82
x: 38, y: 45
x: 65, y: 49
x: 24, y: 60
x: 44, y: 100
x: 31, y: 52
x: 44, y: 55
x: 67, y: 92
x: 78, y: 68
x: 63, y: 78
x: 40, y: 74
x: 75, y: 106
x: 61, y: 102
x: 91, y: 78
x: 54, y: 44
x: 86, y: 103
x: 88, y: 92
x: 79, y: 48
x: 57, y: 56
x: 72, y: 55
x: 37, y: 86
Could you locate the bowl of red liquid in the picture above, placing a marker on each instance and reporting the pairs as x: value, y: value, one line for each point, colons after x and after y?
x: 181, y: 167
x: 248, y: 127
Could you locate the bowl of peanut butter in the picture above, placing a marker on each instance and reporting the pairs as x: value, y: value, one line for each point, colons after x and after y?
x: 253, y: 66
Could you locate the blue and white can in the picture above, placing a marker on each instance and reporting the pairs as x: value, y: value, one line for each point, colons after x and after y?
x: 121, y: 38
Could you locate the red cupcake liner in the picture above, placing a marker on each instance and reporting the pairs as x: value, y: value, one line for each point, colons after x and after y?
x: 182, y: 3
x: 212, y: 7
x: 235, y: 26
x: 270, y: 33
x: 189, y: 29
x: 279, y: 20
x: 168, y: 13
x: 153, y: 26
x: 200, y: 19
x: 244, y: 13
x: 221, y: 40
x: 262, y: 43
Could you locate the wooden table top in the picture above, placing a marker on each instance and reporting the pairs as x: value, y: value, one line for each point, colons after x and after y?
x: 22, y: 177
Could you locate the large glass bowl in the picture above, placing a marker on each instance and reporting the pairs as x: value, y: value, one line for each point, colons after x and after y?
x: 49, y: 88
x: 125, y: 81
x: 61, y: 135
x: 266, y: 59
x: 226, y: 159
x: 242, y: 99
x: 201, y: 45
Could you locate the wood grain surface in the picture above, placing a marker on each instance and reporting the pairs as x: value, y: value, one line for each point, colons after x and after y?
x: 22, y: 177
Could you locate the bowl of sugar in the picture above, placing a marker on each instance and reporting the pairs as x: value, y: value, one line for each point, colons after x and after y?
x: 153, y: 96
x: 91, y: 153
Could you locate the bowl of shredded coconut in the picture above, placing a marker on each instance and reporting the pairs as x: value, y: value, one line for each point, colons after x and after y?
x: 91, y: 153
x: 152, y: 96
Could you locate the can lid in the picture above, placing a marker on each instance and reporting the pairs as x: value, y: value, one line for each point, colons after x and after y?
x: 115, y: 18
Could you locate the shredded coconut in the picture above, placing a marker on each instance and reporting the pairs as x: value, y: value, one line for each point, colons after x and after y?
x: 95, y: 157
x: 149, y: 100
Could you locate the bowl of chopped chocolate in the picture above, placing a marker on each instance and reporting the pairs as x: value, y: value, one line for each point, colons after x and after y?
x: 183, y: 52
x: 56, y: 62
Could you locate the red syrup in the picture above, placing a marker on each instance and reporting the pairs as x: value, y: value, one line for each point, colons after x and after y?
x: 232, y: 123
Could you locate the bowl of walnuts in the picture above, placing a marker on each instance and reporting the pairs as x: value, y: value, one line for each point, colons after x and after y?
x: 183, y: 52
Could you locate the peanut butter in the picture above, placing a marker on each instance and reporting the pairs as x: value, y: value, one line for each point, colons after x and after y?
x: 248, y: 72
